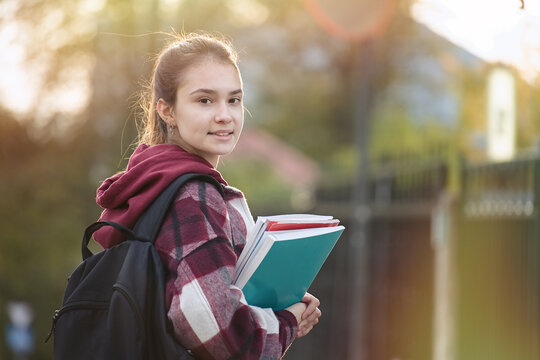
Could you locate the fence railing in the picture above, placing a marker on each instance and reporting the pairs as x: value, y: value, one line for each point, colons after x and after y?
x: 497, y: 232
x: 500, y: 189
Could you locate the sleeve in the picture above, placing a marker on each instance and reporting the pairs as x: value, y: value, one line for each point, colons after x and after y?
x: 210, y: 315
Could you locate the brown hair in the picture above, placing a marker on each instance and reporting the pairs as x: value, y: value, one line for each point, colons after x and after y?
x: 171, y: 63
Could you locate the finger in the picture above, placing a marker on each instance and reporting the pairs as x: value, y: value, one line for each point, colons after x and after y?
x: 307, y: 313
x: 309, y: 322
x: 315, y: 315
x: 310, y: 299
x: 312, y: 320
x: 304, y: 331
x: 312, y: 304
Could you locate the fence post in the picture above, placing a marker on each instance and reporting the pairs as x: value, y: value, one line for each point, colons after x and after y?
x: 359, y: 239
x: 443, y: 222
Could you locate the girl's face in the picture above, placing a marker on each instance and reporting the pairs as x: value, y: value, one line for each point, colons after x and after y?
x: 208, y: 111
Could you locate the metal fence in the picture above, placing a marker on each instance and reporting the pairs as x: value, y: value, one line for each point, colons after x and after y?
x: 453, y: 265
x: 498, y: 261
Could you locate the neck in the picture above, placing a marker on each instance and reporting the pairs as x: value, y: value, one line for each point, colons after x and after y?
x: 214, y: 161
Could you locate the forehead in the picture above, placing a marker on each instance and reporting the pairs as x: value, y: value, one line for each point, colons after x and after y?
x: 211, y: 74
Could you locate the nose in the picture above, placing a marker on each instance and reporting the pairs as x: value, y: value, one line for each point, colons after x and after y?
x: 223, y: 113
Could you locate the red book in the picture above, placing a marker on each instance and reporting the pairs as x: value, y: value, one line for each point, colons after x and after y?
x: 276, y: 225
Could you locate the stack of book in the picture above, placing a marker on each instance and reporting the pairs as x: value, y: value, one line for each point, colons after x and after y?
x: 282, y: 256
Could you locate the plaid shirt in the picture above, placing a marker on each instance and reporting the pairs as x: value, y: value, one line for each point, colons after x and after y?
x: 199, y: 242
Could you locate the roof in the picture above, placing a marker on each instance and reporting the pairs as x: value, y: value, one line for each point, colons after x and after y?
x: 288, y: 163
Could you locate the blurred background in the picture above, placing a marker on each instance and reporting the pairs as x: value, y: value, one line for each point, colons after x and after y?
x: 416, y: 122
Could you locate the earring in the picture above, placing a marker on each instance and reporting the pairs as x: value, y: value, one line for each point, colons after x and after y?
x: 171, y: 129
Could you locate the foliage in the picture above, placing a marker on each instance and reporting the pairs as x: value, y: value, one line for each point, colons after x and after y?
x: 46, y: 200
x: 527, y: 116
x: 265, y: 192
x: 394, y: 133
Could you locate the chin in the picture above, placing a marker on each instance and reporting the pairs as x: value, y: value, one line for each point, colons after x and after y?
x: 224, y: 150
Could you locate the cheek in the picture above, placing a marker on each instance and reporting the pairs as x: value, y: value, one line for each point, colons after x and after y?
x: 240, y: 116
x: 189, y: 130
x: 191, y: 122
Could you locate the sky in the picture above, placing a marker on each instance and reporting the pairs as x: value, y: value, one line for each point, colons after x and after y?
x: 493, y: 30
x: 20, y: 83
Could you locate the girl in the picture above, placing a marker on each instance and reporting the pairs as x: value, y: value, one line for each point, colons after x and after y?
x: 195, y: 115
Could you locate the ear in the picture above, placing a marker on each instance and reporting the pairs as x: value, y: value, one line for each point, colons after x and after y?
x: 165, y: 111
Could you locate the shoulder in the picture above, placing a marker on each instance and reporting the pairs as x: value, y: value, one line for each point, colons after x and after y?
x: 199, y: 214
x: 208, y: 193
x: 200, y: 198
x: 201, y: 191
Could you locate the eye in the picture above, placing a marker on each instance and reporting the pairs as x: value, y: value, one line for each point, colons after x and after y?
x: 235, y: 100
x: 205, y: 100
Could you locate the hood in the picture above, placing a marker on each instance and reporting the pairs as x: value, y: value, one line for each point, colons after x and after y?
x: 126, y: 195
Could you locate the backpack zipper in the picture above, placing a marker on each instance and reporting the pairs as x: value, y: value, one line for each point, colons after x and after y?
x: 74, y: 306
x: 132, y: 303
x: 96, y: 305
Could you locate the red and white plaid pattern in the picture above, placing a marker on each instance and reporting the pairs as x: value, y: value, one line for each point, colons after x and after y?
x: 199, y: 242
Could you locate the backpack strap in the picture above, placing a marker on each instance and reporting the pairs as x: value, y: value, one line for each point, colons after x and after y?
x: 86, y: 253
x: 149, y: 223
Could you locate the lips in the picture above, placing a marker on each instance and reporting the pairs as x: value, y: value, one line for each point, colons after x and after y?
x: 221, y: 132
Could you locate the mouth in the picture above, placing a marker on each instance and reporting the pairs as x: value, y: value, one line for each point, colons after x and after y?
x: 222, y: 133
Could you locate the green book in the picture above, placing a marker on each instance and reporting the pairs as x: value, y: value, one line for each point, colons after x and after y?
x: 282, y: 265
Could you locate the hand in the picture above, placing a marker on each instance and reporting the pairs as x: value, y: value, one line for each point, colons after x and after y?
x: 307, y: 314
x: 297, y: 310
x: 310, y: 316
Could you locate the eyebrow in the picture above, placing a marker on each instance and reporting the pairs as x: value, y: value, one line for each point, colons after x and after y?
x: 210, y: 91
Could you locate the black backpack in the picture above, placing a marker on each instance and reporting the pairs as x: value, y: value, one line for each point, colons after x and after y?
x: 114, y: 303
